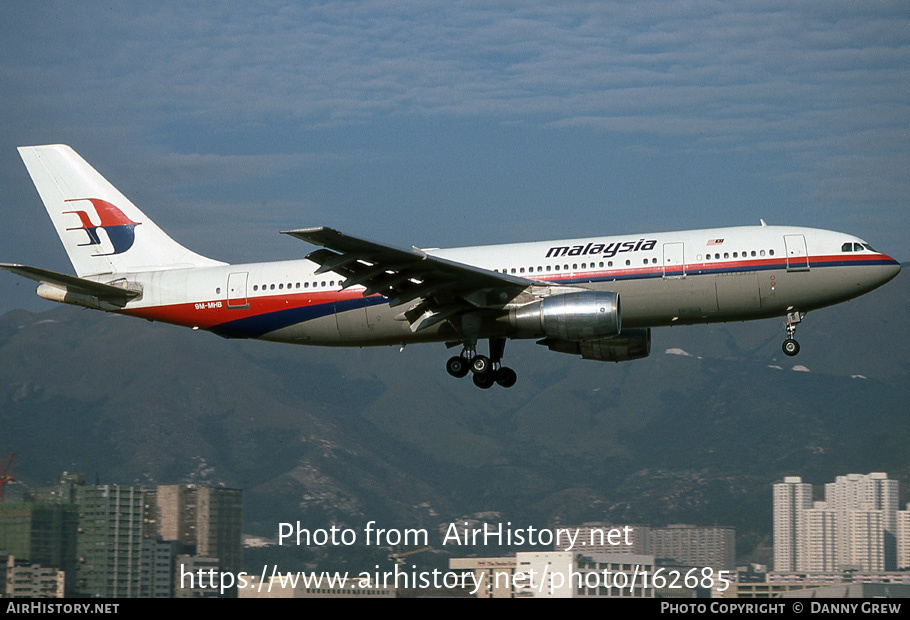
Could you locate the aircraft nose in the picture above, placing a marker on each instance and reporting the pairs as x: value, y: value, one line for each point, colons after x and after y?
x: 889, y: 269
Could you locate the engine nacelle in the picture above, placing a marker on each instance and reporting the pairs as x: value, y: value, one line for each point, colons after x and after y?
x: 55, y: 293
x: 575, y: 317
x: 631, y: 344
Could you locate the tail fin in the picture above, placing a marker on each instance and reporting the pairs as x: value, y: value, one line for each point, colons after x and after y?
x: 102, y: 231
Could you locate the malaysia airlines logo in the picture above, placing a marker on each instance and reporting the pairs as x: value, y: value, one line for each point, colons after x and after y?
x: 118, y: 227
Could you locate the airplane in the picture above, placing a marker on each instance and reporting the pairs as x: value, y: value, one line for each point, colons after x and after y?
x: 565, y: 294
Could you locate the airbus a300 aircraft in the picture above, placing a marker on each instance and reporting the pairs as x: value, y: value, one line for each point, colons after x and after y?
x: 353, y: 292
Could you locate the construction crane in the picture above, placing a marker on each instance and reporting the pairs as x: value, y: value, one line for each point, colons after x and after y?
x: 398, y: 556
x: 7, y: 472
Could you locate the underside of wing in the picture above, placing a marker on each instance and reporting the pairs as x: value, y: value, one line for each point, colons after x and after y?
x: 430, y: 289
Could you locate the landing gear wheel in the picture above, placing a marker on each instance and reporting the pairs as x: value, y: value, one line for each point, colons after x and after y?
x: 790, y: 347
x: 484, y: 380
x: 481, y: 365
x: 458, y: 366
x: 506, y: 377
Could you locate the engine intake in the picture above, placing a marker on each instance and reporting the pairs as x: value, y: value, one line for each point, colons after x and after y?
x: 572, y: 317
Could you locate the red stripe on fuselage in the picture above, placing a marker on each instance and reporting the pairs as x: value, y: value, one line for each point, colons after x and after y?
x: 210, y: 313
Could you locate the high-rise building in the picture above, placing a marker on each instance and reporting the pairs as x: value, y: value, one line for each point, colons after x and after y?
x: 858, y: 492
x: 219, y: 525
x: 818, y: 547
x: 791, y: 498
x: 854, y: 528
x: 176, y: 515
x: 694, y: 545
x: 157, y: 568
x: 110, y: 541
x: 204, y: 521
x: 42, y: 534
x: 903, y: 538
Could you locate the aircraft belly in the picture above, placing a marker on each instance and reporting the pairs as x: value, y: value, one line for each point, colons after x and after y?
x: 371, y: 326
x: 662, y: 301
x: 815, y: 288
x: 351, y: 324
x: 737, y: 293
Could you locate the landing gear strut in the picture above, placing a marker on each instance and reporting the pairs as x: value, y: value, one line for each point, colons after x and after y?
x: 790, y: 346
x: 486, y: 370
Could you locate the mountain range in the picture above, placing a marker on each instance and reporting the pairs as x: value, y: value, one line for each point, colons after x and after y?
x: 696, y: 433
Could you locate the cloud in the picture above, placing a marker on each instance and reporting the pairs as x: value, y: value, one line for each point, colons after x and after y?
x: 817, y: 94
x: 744, y: 65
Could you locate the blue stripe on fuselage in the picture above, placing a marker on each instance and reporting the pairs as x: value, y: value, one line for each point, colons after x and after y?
x: 261, y: 324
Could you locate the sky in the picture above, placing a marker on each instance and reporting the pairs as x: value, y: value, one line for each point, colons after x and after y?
x: 452, y: 123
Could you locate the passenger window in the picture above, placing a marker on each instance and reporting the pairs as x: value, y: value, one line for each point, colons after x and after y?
x: 771, y: 252
x: 762, y: 252
x: 272, y: 287
x: 753, y: 252
x: 628, y: 263
x: 548, y: 268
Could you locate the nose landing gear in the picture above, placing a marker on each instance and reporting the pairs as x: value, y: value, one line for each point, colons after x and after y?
x: 486, y: 370
x: 790, y: 346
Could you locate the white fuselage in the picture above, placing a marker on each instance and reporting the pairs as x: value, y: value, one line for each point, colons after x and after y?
x: 664, y: 278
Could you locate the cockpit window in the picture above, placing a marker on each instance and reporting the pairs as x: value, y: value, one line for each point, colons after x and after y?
x: 868, y: 247
x: 847, y: 247
x: 857, y: 247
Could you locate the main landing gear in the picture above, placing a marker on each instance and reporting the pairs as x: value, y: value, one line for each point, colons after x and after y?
x: 486, y: 370
x: 790, y: 346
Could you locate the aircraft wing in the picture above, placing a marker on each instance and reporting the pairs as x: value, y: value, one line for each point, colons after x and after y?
x: 444, y: 288
x: 104, y: 292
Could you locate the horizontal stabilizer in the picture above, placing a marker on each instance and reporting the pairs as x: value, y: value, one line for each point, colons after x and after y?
x: 70, y: 284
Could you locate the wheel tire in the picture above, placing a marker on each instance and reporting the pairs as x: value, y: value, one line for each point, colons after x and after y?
x: 481, y: 364
x: 506, y: 377
x: 457, y: 366
x: 790, y: 347
x: 484, y: 381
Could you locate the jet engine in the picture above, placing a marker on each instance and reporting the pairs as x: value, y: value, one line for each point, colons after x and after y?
x: 631, y: 344
x: 573, y: 317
